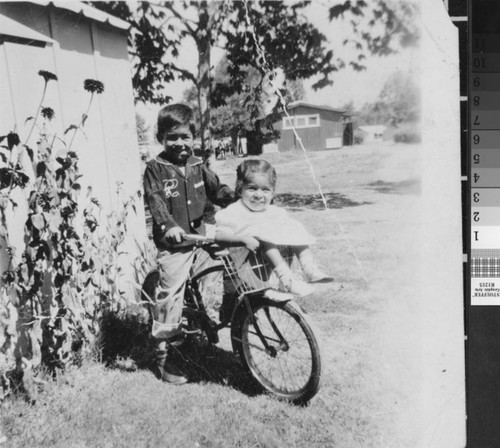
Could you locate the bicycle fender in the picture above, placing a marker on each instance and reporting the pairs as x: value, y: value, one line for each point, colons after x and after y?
x: 268, y: 294
x: 278, y: 296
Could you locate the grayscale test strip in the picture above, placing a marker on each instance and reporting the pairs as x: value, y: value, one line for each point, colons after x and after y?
x: 484, y: 161
x: 482, y: 213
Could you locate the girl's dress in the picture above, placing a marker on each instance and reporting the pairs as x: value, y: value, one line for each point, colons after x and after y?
x: 272, y: 225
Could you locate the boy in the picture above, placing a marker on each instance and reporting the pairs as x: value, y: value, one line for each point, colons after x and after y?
x: 177, y: 186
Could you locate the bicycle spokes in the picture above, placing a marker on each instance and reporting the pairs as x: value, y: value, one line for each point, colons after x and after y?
x: 277, y: 349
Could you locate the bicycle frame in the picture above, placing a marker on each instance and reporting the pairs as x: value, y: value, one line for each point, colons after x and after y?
x: 211, y: 328
x: 273, y: 337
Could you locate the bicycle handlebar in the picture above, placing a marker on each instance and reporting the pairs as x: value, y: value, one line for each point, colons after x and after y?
x: 202, y: 239
x: 197, y: 238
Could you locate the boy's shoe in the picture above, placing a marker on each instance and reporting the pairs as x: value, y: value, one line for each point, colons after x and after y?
x: 170, y: 378
x: 166, y: 371
x: 171, y: 374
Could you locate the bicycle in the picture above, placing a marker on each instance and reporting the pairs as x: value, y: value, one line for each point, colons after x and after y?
x: 269, y: 331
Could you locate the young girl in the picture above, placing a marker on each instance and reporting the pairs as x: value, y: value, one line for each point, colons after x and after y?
x: 254, y: 221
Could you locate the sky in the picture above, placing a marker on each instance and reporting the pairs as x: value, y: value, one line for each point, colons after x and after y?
x: 349, y: 85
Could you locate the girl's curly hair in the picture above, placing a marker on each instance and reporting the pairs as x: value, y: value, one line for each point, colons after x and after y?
x: 247, y: 169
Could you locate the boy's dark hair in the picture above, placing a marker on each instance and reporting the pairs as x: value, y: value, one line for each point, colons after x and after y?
x: 248, y: 168
x: 172, y: 116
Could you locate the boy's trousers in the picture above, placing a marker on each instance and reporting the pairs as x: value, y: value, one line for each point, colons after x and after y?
x: 174, y: 268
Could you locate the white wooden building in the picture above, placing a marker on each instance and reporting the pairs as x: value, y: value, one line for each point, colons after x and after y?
x: 75, y: 42
x: 374, y: 133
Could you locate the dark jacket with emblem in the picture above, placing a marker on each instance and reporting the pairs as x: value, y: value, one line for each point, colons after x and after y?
x: 177, y: 199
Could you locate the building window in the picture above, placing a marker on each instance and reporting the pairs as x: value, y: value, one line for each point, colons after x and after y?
x: 301, y: 121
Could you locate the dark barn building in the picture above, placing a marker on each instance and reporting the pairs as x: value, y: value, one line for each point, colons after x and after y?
x: 319, y: 127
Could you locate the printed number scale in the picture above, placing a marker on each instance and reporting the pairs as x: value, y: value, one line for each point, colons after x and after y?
x: 484, y: 127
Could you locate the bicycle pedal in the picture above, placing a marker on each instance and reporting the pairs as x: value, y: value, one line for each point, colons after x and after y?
x: 192, y: 332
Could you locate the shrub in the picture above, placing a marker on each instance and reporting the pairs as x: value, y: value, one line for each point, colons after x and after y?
x: 54, y: 295
x: 407, y: 136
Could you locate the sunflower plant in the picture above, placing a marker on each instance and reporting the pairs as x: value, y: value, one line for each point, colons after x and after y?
x: 52, y: 293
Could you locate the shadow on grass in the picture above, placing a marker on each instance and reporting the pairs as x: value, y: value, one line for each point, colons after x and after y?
x: 298, y: 202
x: 126, y: 336
x: 409, y: 186
x: 127, y: 345
x: 205, y: 362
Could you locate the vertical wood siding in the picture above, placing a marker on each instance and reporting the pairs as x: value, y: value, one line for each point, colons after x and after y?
x: 313, y: 139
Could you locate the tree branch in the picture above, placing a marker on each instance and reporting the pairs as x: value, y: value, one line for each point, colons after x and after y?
x: 184, y: 21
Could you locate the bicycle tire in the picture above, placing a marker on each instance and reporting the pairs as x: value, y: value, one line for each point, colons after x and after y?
x: 294, y: 372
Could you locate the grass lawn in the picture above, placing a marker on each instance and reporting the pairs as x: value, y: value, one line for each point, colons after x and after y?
x: 370, y: 395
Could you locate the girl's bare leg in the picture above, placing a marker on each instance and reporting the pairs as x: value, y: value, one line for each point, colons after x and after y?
x: 301, y: 251
x: 288, y: 281
x: 273, y: 254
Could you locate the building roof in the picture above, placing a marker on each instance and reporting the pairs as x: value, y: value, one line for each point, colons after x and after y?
x: 375, y: 129
x: 87, y: 11
x: 295, y: 104
x: 12, y: 29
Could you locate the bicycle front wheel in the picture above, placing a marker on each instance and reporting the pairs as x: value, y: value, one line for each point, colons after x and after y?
x: 278, y: 346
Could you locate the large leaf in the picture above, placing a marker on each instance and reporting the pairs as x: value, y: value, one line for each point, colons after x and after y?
x: 12, y: 140
x: 72, y: 126
x: 30, y: 152
x: 54, y: 221
x: 41, y: 169
x: 38, y: 221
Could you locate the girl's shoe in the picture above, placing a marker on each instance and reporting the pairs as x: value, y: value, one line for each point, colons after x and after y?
x: 289, y: 283
x: 314, y: 274
x: 312, y: 271
x: 299, y: 288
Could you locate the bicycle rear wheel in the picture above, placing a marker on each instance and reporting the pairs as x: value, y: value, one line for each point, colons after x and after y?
x: 278, y: 346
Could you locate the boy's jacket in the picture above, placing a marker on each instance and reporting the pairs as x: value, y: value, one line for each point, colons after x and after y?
x: 175, y: 199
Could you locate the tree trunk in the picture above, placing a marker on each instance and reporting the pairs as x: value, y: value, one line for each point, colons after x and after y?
x: 204, y: 83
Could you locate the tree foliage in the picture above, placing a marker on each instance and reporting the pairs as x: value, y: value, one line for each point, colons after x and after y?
x: 234, y: 112
x: 378, y: 28
x: 262, y: 34
x: 398, y: 102
x: 280, y: 28
x: 271, y: 34
x: 157, y: 30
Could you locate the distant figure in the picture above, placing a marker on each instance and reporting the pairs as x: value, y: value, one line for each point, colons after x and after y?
x: 220, y: 151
